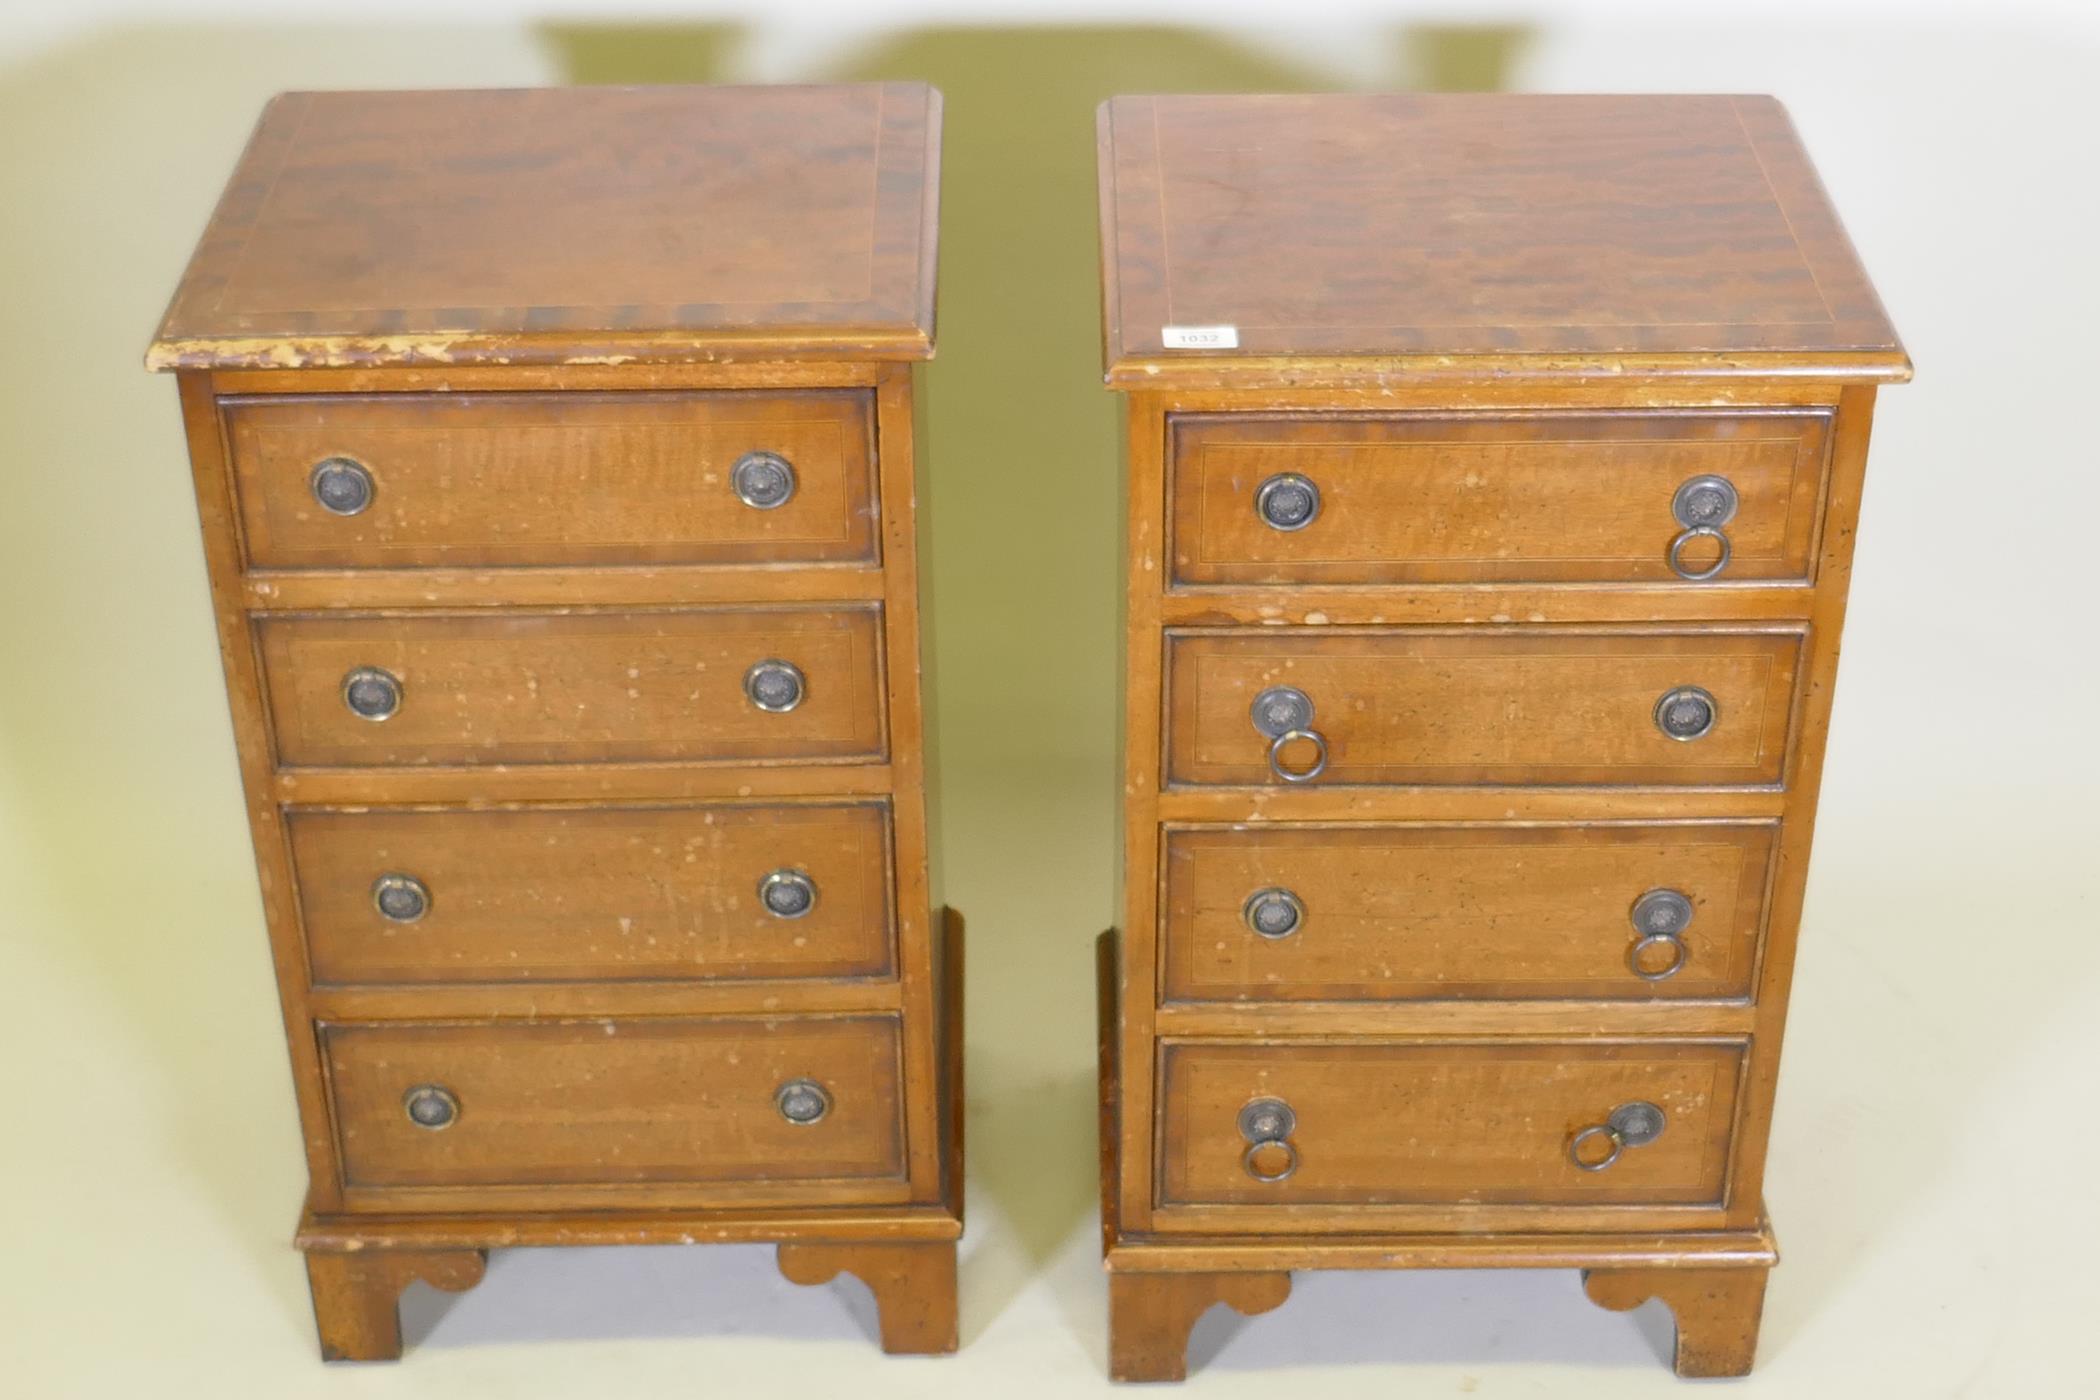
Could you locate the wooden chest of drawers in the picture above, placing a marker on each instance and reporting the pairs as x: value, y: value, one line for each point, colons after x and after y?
x: 1492, y: 469
x: 556, y: 465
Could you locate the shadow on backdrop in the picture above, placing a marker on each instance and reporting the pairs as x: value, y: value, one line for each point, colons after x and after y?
x: 1024, y: 484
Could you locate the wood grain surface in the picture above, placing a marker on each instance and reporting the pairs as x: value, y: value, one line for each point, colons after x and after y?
x: 1426, y: 912
x: 1507, y: 705
x: 1593, y: 234
x: 519, y: 687
x: 636, y: 893
x: 1443, y: 1124
x: 569, y: 225
x: 612, y: 1103
x: 1475, y: 498
x: 479, y: 480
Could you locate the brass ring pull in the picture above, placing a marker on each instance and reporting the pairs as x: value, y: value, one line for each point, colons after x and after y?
x: 1297, y: 775
x: 1268, y: 1122
x: 1290, y: 1161
x: 1634, y: 1124
x: 1678, y: 954
x: 1698, y: 532
x: 1618, y: 1145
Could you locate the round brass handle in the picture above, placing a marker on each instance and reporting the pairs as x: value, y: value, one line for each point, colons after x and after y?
x: 1287, y: 501
x: 371, y: 693
x: 802, y: 1102
x: 1298, y: 775
x: 431, y: 1106
x: 1274, y: 912
x: 1685, y: 537
x: 1637, y: 956
x: 774, y: 686
x: 1280, y: 709
x: 1634, y: 1124
x: 763, y: 480
x: 1268, y: 1123
x: 1283, y: 715
x: 340, y: 485
x: 1282, y: 1173
x: 1660, y: 918
x: 400, y: 899
x: 1686, y: 713
x: 787, y: 894
x: 1701, y: 507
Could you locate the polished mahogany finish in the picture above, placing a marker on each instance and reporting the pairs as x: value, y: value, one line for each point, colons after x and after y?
x: 1417, y: 911
x: 1682, y: 234
x: 1492, y: 466
x: 555, y: 456
x: 479, y: 480
x: 586, y: 225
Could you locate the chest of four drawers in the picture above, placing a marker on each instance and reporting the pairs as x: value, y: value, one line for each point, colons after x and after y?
x: 1387, y: 802
x: 731, y: 635
x: 563, y: 542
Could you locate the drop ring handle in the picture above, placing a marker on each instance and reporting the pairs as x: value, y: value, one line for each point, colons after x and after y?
x: 1290, y: 1160
x: 1297, y: 775
x: 1685, y: 537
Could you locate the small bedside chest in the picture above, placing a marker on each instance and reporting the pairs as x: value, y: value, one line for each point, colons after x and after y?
x: 555, y: 457
x: 1492, y: 468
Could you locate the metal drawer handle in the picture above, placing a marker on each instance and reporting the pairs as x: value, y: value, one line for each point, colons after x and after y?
x: 787, y: 894
x: 1267, y: 1123
x: 1274, y: 912
x: 774, y: 686
x: 431, y: 1106
x: 371, y: 693
x: 1287, y: 501
x: 400, y: 899
x: 1698, y: 532
x: 1702, y: 506
x: 1298, y: 775
x: 763, y: 480
x: 802, y: 1102
x: 1633, y: 1124
x: 1660, y: 917
x: 1686, y: 713
x: 340, y: 485
x: 1283, y: 715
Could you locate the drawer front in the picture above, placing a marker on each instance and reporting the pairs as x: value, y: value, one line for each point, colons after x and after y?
x: 1424, y: 498
x: 639, y: 1103
x: 1431, y: 1124
x: 470, y: 480
x: 1395, y: 913
x: 1519, y: 706
x: 594, y: 894
x: 525, y: 688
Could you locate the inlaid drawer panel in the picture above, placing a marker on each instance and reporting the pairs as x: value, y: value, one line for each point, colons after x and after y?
x: 525, y: 688
x: 646, y: 1102
x: 407, y: 480
x: 1485, y: 706
x: 1467, y: 498
x: 603, y: 894
x: 1386, y: 1124
x: 1403, y: 912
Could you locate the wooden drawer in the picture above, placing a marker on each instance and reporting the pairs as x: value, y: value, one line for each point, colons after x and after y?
x: 470, y: 480
x: 683, y: 1108
x: 1393, y: 913
x: 523, y: 688
x: 597, y: 894
x: 1507, y: 705
x: 1464, y: 498
x: 1445, y: 1124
